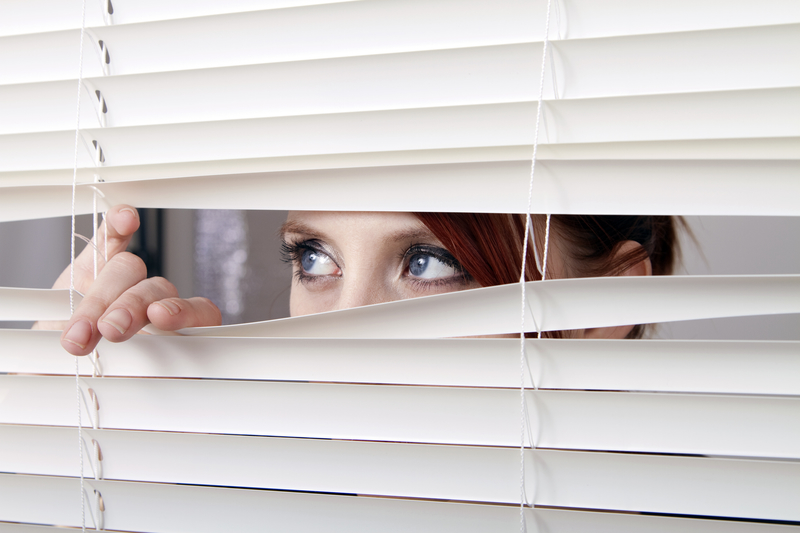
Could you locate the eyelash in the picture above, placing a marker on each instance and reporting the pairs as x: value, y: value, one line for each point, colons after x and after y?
x: 292, y: 252
x: 462, y: 276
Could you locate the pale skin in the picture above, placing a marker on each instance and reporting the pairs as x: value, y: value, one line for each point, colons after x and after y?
x: 339, y: 260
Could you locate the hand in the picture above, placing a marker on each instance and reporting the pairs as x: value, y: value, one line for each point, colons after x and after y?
x: 122, y: 300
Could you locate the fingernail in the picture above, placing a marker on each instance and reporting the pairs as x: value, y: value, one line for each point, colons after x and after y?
x: 171, y: 307
x: 129, y: 210
x: 120, y: 319
x: 79, y: 334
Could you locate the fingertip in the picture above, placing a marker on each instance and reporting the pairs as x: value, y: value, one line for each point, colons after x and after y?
x: 116, y: 324
x: 171, y: 306
x: 215, y: 312
x: 171, y: 314
x: 206, y: 312
x: 166, y: 314
x: 76, y: 338
x: 124, y: 219
x: 128, y: 213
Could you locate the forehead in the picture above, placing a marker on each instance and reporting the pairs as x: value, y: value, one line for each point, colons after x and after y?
x: 357, y: 226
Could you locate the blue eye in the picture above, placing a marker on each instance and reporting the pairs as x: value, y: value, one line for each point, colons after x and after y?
x: 427, y: 266
x: 418, y: 264
x: 308, y: 259
x: 317, y: 264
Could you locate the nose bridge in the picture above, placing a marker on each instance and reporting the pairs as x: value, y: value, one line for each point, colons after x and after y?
x: 363, y: 287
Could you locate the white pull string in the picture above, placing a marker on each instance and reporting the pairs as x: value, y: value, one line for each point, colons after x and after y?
x: 95, y: 355
x: 523, y: 358
x: 544, y: 255
x: 72, y: 257
x: 535, y: 251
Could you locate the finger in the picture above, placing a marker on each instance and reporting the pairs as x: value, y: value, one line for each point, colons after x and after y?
x: 175, y: 313
x: 112, y: 238
x: 128, y: 314
x: 122, y: 272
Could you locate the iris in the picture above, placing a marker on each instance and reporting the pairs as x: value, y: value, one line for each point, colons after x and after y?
x: 317, y: 263
x: 427, y: 266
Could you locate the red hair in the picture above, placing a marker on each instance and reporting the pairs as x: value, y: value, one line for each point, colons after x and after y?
x: 489, y: 246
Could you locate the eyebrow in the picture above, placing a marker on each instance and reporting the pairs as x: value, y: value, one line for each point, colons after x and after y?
x: 411, y: 234
x: 414, y: 234
x: 291, y: 226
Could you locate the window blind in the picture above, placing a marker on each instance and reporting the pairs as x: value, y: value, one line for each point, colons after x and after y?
x: 371, y: 418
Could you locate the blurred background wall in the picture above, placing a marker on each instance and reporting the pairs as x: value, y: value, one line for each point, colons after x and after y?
x: 740, y: 246
x: 232, y: 257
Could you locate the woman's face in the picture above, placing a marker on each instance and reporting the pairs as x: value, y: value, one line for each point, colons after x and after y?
x: 342, y: 260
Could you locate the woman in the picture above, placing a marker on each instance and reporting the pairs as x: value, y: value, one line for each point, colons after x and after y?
x: 342, y: 260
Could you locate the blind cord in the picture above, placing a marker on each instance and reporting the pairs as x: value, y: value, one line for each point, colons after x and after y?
x: 523, y: 357
x: 95, y: 355
x: 72, y: 258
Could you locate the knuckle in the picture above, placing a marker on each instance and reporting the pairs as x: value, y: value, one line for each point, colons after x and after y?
x: 131, y: 262
x: 92, y: 305
x: 141, y: 295
x: 135, y: 301
x: 163, y: 285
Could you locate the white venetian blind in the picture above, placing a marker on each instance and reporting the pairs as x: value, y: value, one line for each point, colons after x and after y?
x: 372, y: 419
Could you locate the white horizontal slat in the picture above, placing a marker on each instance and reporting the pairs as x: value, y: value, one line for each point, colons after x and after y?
x: 737, y: 149
x: 676, y: 366
x: 466, y: 76
x: 749, y: 113
x: 643, y: 422
x: 174, y: 508
x: 558, y: 521
x: 752, y: 367
x: 350, y: 28
x: 555, y: 521
x: 553, y: 305
x: 208, y: 509
x: 8, y: 527
x: 667, y: 423
x: 319, y: 162
x: 415, y: 129
x: 49, y: 106
x: 35, y: 304
x: 284, y: 409
x: 587, y: 18
x: 678, y: 485
x: 562, y: 187
x: 449, y: 362
x: 675, y: 485
x: 695, y: 61
x: 584, y: 18
x: 786, y: 148
x: 767, y: 113
x: 463, y: 473
x: 721, y: 60
x: 29, y: 16
x: 21, y: 203
x: 328, y: 30
x: 47, y: 57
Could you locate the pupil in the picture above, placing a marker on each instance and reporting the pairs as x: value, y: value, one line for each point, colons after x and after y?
x: 418, y: 265
x: 308, y: 260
